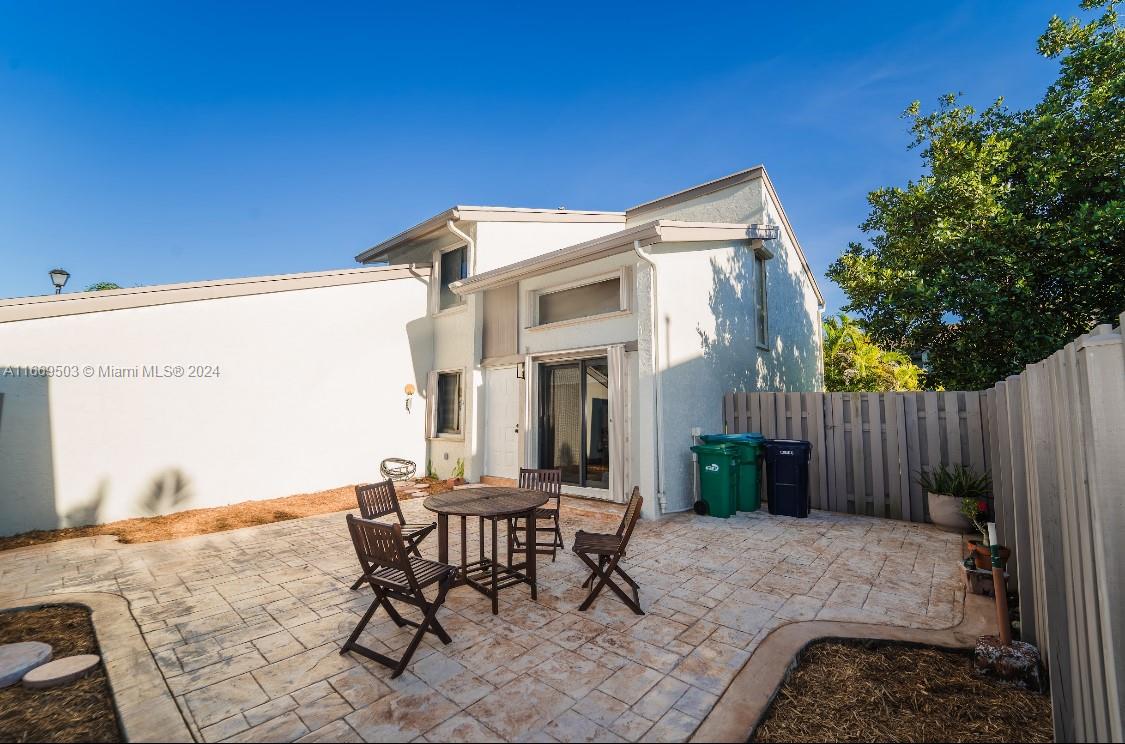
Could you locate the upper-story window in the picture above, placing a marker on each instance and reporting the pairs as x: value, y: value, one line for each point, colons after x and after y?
x: 585, y: 300
x: 453, y: 267
x: 761, y: 315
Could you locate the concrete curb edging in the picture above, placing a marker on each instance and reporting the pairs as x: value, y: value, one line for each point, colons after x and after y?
x: 750, y: 693
x: 145, y: 706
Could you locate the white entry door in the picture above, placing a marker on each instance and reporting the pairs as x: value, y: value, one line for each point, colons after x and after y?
x: 502, y: 423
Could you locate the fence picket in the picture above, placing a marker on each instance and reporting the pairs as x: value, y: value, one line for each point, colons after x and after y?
x: 951, y: 401
x: 875, y: 421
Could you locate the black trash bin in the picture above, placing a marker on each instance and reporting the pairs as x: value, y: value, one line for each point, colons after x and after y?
x: 787, y: 476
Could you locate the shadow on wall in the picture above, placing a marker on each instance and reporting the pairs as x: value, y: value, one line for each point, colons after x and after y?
x: 732, y: 352
x: 168, y: 491
x: 27, y: 467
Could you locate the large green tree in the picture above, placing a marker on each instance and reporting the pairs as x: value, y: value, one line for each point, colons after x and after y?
x: 1012, y: 242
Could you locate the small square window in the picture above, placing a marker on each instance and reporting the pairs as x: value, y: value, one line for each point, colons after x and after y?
x: 448, y: 403
x: 453, y: 267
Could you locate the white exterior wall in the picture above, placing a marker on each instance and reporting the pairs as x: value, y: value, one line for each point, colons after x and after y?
x: 503, y: 243
x: 310, y: 396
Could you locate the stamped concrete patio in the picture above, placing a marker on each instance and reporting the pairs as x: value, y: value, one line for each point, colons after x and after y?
x: 246, y: 626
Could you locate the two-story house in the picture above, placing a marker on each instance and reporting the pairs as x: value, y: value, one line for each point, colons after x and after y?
x: 596, y: 342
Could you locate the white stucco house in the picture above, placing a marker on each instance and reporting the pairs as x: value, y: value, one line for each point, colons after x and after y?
x: 596, y: 342
x: 590, y: 341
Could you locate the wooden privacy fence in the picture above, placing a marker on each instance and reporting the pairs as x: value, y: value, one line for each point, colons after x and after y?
x: 868, y: 448
x: 1053, y: 439
x: 1058, y: 469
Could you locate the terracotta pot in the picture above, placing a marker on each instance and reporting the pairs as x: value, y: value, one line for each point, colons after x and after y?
x: 945, y: 512
x: 982, y: 556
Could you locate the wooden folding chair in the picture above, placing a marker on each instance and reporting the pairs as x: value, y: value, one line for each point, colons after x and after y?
x: 610, y: 549
x: 379, y: 500
x: 548, y: 481
x: 394, y: 574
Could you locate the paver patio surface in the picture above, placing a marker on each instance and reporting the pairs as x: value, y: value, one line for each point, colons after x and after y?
x: 246, y: 625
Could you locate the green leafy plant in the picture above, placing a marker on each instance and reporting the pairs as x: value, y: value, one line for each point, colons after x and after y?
x: 853, y: 363
x: 459, y: 468
x: 1008, y: 243
x: 956, y: 480
x: 430, y: 472
x: 976, y: 511
x: 102, y: 286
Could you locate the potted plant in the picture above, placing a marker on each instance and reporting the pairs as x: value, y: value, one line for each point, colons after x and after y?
x: 976, y: 512
x: 946, y: 486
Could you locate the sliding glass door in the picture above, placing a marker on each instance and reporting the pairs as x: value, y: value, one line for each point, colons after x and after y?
x: 574, y: 421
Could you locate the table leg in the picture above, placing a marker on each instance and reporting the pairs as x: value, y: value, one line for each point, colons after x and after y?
x: 495, y: 591
x: 464, y: 547
x: 531, y: 554
x: 443, y: 538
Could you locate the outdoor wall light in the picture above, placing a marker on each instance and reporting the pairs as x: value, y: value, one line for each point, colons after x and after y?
x: 58, y: 278
x: 409, y: 390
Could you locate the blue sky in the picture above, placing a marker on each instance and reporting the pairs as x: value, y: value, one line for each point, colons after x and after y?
x: 145, y: 143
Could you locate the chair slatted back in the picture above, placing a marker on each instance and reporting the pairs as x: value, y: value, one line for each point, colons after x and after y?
x: 548, y: 481
x: 630, y: 517
x: 378, y: 500
x: 379, y: 545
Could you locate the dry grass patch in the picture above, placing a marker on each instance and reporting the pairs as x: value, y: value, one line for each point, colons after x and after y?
x: 848, y: 691
x: 79, y: 711
x: 203, y: 521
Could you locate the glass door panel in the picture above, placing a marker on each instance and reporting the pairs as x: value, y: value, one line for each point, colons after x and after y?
x: 597, y: 424
x: 560, y: 441
x: 574, y: 421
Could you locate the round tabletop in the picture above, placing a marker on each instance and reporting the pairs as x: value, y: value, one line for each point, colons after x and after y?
x: 487, y: 501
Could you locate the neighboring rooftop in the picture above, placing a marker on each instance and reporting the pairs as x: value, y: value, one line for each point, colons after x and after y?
x: 75, y: 303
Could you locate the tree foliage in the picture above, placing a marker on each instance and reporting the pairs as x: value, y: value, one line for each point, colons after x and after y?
x: 853, y: 363
x: 1013, y: 241
x: 102, y: 286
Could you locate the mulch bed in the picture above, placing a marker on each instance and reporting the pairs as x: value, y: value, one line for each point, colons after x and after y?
x: 79, y: 711
x: 219, y: 518
x: 855, y: 691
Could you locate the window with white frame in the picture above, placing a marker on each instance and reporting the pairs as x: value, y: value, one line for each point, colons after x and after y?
x: 447, y: 403
x: 761, y: 315
x: 453, y: 266
x: 587, y: 299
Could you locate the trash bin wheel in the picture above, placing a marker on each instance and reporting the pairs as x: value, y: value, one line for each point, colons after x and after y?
x: 702, y: 508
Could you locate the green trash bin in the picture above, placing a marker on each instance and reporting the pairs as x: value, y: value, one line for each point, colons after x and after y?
x: 718, y: 477
x: 749, y: 448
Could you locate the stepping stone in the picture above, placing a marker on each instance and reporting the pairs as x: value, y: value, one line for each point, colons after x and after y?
x: 60, y: 671
x: 17, y: 659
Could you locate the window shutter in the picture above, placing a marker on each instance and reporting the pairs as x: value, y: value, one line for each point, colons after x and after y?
x: 431, y: 404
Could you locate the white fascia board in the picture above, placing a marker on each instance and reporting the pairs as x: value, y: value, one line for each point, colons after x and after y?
x: 649, y: 233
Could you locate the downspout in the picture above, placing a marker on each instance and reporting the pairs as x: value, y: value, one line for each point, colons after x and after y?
x: 468, y: 241
x: 661, y: 500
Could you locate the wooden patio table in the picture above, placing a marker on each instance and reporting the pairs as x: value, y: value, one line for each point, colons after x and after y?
x: 487, y: 574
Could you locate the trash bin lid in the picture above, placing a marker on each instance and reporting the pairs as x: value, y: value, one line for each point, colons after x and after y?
x: 712, y: 449
x: 752, y: 437
x: 775, y: 447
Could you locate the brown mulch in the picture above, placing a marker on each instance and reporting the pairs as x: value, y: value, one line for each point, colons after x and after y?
x: 79, y: 711
x: 851, y: 691
x: 219, y: 518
